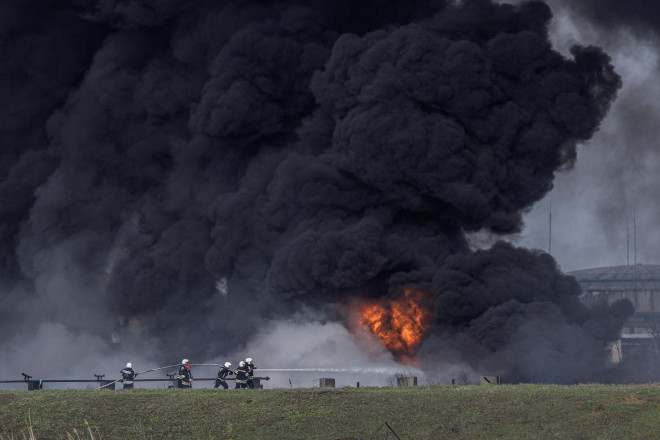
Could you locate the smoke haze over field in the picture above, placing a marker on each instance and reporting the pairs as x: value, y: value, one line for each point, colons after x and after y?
x: 615, y: 173
x: 214, y: 180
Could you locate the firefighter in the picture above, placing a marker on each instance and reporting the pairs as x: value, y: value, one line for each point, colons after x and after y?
x: 185, y: 378
x: 222, y: 374
x: 128, y: 375
x: 251, y: 368
x: 241, y: 375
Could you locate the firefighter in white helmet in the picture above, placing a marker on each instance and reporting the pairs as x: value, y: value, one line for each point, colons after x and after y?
x: 185, y: 378
x: 241, y: 375
x: 127, y: 376
x: 222, y: 374
x: 251, y: 367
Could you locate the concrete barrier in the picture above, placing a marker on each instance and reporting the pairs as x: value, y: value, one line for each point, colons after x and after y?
x: 406, y: 381
x: 325, y: 382
x: 490, y: 380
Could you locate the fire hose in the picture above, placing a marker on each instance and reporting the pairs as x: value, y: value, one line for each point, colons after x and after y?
x: 162, y: 368
x: 138, y: 373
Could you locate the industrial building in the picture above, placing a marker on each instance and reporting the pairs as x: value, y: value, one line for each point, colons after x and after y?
x: 640, y: 284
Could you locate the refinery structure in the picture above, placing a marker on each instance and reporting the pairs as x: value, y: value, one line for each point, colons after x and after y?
x: 638, y: 283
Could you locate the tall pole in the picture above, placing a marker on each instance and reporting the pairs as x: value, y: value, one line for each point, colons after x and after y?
x: 550, y: 231
x: 628, y: 240
x: 635, y: 249
x: 635, y: 234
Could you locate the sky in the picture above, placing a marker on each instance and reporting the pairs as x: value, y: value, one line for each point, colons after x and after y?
x: 214, y: 181
x: 609, y: 196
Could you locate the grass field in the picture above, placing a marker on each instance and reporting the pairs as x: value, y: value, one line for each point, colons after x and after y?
x: 509, y: 412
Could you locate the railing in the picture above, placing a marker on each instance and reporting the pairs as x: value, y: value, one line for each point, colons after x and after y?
x: 38, y: 384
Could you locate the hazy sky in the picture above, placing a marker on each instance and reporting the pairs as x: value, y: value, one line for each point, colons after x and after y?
x: 615, y: 176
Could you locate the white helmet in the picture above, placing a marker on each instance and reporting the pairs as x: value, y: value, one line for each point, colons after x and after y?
x: 227, y: 364
x: 129, y: 365
x: 241, y: 364
x: 185, y: 361
x: 248, y: 360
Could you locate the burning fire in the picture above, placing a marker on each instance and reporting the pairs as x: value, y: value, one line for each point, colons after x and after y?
x: 400, y: 324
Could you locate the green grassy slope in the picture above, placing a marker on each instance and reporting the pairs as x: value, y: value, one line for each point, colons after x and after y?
x: 426, y: 412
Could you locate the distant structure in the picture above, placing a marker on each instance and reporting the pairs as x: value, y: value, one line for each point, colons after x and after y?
x: 639, y: 283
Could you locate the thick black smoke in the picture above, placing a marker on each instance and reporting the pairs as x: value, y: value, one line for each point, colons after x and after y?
x: 521, y: 317
x: 638, y: 16
x: 297, y: 153
x: 615, y: 179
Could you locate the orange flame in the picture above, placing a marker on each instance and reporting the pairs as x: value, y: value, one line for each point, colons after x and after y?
x: 400, y: 324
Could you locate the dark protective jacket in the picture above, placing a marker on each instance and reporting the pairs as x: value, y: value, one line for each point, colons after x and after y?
x: 185, y: 377
x: 224, y: 372
x: 128, y: 375
x: 251, y: 369
x: 242, y: 374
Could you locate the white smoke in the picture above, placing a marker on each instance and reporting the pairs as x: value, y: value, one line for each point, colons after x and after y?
x: 54, y: 352
x: 304, y: 351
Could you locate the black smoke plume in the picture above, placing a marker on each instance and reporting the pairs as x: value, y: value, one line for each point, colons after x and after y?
x: 638, y: 16
x: 175, y: 173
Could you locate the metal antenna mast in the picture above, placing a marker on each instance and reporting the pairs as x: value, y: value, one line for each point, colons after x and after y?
x: 550, y: 231
x: 635, y: 248
x: 635, y: 233
x: 628, y: 240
